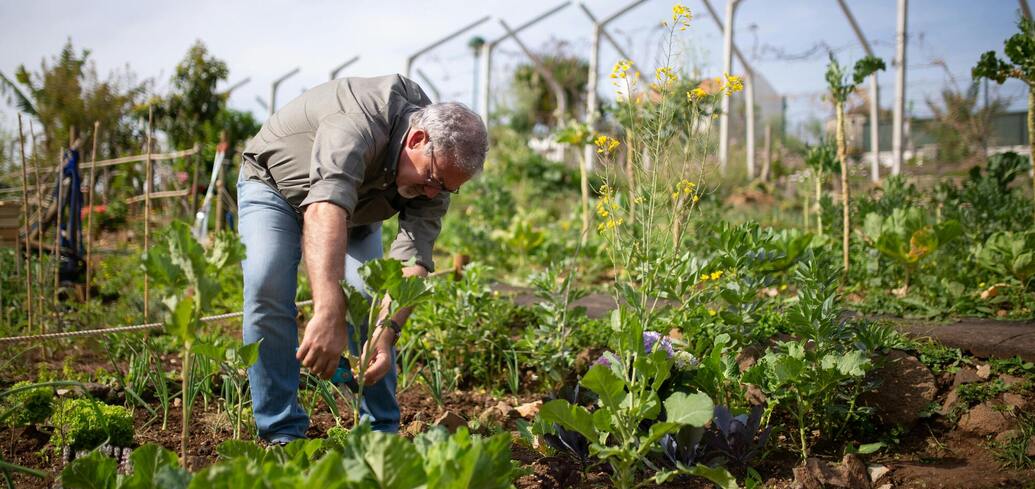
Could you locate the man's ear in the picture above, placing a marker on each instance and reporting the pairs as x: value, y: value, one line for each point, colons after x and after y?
x: 417, y: 138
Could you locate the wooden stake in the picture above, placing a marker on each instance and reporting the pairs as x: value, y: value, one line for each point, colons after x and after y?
x: 147, y: 208
x: 89, y: 205
x: 219, y: 200
x: 39, y: 224
x: 25, y: 215
x: 57, y: 227
x: 194, y: 183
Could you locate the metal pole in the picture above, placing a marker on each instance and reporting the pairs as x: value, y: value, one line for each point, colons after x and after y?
x: 488, y: 47
x: 337, y: 69
x: 749, y: 92
x: 235, y: 86
x: 435, y: 94
x: 900, y: 88
x: 275, y: 85
x: 39, y: 219
x: 1025, y: 10
x: 413, y: 57
x: 147, y: 207
x: 89, y: 205
x: 588, y: 155
x: 558, y: 91
x: 25, y: 214
x: 749, y: 121
x: 874, y: 96
x: 727, y: 66
x: 606, y: 35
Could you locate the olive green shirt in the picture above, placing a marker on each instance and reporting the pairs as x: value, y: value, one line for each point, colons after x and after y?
x: 339, y: 142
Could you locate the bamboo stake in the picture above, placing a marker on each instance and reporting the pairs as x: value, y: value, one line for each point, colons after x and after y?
x: 147, y: 209
x: 89, y: 205
x: 25, y: 214
x: 57, y: 227
x: 194, y: 183
x: 219, y: 200
x: 39, y: 223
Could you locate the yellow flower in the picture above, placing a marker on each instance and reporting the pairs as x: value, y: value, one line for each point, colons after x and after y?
x: 716, y: 275
x: 606, y: 144
x: 696, y: 198
x: 696, y: 94
x: 600, y: 140
x: 681, y: 15
x: 621, y: 68
x: 712, y: 312
x: 665, y: 75
x: 732, y: 84
x: 704, y: 277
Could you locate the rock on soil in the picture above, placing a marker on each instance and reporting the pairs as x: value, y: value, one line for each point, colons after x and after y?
x: 966, y: 375
x: 985, y: 419
x: 1030, y: 451
x: 529, y: 410
x: 906, y: 389
x: 851, y: 473
x: 450, y: 421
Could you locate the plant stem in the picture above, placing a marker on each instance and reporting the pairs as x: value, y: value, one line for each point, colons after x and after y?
x: 185, y: 380
x: 1031, y: 134
x: 843, y: 157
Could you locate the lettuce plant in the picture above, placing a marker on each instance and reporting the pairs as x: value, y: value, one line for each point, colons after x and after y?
x: 1008, y: 254
x: 27, y: 404
x: 85, y: 423
x: 907, y: 238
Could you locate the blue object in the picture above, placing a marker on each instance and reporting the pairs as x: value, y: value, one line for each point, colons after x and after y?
x: 343, y: 375
x: 271, y: 231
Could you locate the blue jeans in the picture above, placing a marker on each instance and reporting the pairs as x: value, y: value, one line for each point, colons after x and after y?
x: 271, y: 232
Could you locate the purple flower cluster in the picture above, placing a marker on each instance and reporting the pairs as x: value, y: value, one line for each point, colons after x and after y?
x: 651, y: 338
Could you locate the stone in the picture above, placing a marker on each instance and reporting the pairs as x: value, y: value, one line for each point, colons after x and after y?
x: 414, y: 428
x: 748, y: 357
x: 851, y: 473
x: 906, y: 388
x: 950, y: 400
x: 984, y: 371
x: 876, y: 472
x: 529, y: 409
x: 984, y: 419
x: 1030, y: 450
x: 755, y: 396
x: 1010, y: 380
x: 1014, y: 401
x: 886, y: 486
x: 1007, y: 435
x: 497, y: 415
x: 450, y: 421
x: 966, y: 375
x: 675, y: 334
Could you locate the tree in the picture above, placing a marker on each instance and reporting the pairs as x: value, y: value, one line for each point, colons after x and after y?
x: 67, y: 94
x: 536, y: 103
x: 821, y: 159
x: 188, y: 114
x: 840, y: 88
x: 1020, y: 49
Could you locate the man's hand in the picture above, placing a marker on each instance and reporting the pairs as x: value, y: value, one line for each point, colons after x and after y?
x: 377, y: 351
x: 322, y: 345
x: 324, y: 242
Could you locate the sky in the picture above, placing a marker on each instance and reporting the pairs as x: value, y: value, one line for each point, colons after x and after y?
x: 785, y: 40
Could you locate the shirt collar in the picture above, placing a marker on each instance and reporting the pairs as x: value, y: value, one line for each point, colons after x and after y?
x: 399, y: 130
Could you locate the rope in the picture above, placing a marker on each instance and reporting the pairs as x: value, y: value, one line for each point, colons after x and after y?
x: 119, y: 329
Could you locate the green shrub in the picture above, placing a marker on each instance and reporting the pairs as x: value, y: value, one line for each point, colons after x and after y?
x: 85, y: 424
x: 29, y: 406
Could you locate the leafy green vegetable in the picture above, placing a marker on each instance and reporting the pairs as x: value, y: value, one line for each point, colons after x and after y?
x: 85, y: 424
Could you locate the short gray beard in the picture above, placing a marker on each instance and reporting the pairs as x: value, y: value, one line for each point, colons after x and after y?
x: 411, y: 191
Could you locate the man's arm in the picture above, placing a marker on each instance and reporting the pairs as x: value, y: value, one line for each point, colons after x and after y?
x: 324, y: 241
x: 379, y: 348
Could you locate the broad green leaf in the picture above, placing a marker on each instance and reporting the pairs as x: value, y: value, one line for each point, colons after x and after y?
x: 717, y: 475
x: 570, y: 416
x: 146, y: 461
x: 394, y: 461
x: 94, y: 471
x: 248, y: 354
x: 171, y: 477
x: 232, y: 449
x: 605, y: 384
x: 853, y: 363
x: 689, y: 409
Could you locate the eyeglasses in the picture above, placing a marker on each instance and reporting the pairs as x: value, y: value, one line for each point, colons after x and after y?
x: 437, y: 182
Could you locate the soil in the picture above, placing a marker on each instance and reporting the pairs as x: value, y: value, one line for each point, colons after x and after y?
x: 980, y: 337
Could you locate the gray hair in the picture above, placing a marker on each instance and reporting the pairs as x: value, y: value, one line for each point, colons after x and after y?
x: 456, y: 132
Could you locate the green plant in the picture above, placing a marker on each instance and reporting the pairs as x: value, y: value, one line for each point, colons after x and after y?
x: 840, y: 87
x: 86, y: 423
x: 1008, y: 254
x: 188, y: 275
x: 152, y: 466
x: 907, y: 238
x: 821, y: 159
x: 1020, y: 49
x: 27, y: 404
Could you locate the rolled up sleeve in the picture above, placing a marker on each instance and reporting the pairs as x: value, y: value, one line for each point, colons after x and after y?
x: 419, y: 225
x: 341, y: 148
